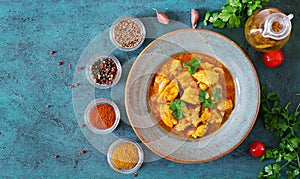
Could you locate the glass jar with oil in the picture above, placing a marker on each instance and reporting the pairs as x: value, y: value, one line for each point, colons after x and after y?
x: 268, y: 29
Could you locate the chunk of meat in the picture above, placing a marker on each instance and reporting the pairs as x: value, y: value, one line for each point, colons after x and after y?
x: 185, y: 80
x: 192, y: 112
x: 212, y: 76
x: 207, y: 66
x: 175, y: 66
x: 171, y: 68
x: 224, y: 105
x: 219, y: 70
x: 190, y: 132
x: 208, y: 77
x: 153, y: 103
x: 216, y: 117
x: 203, y: 86
x: 171, y: 91
x: 166, y: 115
x: 200, y: 131
x: 182, y: 124
x: 160, y: 82
x: 203, y: 118
x: 190, y: 95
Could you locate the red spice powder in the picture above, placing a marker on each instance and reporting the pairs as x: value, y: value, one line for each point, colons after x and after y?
x: 102, y: 116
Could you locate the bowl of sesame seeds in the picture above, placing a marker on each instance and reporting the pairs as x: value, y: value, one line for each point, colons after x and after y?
x: 127, y: 33
x: 103, y: 70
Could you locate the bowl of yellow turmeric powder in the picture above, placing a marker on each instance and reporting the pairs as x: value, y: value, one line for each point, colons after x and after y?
x: 125, y: 156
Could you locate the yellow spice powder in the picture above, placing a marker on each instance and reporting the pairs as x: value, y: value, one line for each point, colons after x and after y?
x: 125, y: 156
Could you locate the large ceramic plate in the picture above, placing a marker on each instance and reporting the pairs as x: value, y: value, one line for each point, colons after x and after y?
x: 235, y: 129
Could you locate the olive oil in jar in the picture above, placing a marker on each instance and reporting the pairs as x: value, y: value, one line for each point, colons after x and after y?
x: 268, y: 29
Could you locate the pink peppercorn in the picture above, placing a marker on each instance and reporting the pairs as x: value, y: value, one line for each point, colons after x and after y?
x: 102, y: 65
x: 59, y: 63
x: 71, y: 86
x: 56, y: 156
x: 83, y: 152
x: 52, y: 52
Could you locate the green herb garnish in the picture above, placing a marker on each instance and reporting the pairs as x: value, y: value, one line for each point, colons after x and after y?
x: 206, y: 100
x: 217, y: 94
x: 285, y: 125
x: 234, y: 13
x: 206, y: 17
x: 192, y: 65
x: 176, y: 107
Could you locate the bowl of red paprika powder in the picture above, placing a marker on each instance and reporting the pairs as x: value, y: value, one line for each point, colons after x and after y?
x: 102, y: 116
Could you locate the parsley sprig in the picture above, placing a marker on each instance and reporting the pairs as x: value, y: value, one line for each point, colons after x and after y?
x: 192, y: 65
x: 285, y: 125
x: 234, y: 13
x: 217, y: 94
x: 207, y: 100
x: 176, y: 107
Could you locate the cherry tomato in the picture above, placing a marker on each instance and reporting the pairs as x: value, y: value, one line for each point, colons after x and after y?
x: 257, y: 149
x: 273, y: 59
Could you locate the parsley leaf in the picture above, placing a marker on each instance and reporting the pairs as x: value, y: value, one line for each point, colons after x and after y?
x: 209, y: 104
x: 234, y: 13
x: 192, y: 65
x: 217, y: 94
x: 203, y: 96
x: 285, y: 125
x: 206, y: 99
x: 206, y: 17
x: 176, y: 107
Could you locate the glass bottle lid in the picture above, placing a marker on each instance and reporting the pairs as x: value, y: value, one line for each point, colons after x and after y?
x: 277, y: 26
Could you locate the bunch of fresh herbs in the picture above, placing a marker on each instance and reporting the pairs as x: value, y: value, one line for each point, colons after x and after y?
x: 284, y: 124
x: 234, y: 13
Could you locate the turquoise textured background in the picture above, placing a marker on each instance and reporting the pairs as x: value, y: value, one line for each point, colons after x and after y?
x: 30, y: 134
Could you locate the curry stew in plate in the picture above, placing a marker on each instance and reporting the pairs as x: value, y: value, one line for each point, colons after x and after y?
x: 191, y: 95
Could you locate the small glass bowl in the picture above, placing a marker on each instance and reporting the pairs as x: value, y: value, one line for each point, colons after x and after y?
x: 95, y: 58
x: 93, y: 104
x: 120, y: 142
x: 112, y: 30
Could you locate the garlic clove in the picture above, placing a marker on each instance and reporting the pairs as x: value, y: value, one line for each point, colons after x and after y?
x: 161, y: 17
x: 194, y: 18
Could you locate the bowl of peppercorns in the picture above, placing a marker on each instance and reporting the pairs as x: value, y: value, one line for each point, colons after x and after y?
x: 103, y: 70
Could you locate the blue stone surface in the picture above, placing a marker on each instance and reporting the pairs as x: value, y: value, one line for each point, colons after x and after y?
x: 30, y: 79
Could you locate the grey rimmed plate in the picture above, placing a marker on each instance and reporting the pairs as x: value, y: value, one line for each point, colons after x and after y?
x: 233, y: 131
